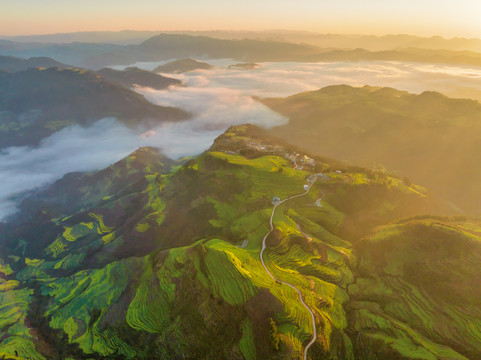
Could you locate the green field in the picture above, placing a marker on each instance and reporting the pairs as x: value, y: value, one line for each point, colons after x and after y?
x: 167, y: 266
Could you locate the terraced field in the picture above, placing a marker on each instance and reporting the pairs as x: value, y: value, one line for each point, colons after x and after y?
x: 301, y: 297
x: 169, y: 266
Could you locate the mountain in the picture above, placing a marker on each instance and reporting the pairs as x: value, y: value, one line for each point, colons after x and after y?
x: 348, y: 41
x: 82, y: 190
x: 84, y: 55
x: 134, y: 76
x: 153, y: 259
x: 417, y: 135
x: 178, y: 46
x: 414, y: 278
x: 14, y: 64
x: 338, y: 41
x: 161, y: 47
x: 37, y: 102
x: 408, y: 54
x: 125, y: 37
x: 372, y: 42
x: 182, y: 65
x: 166, y: 46
x: 6, y: 46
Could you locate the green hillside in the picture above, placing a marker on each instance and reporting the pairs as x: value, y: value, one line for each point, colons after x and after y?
x: 416, y: 295
x: 166, y: 265
x: 37, y: 102
x: 416, y: 135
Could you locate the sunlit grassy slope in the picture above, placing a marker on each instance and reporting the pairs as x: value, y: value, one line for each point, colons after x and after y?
x: 430, y: 138
x: 417, y: 292
x: 168, y: 267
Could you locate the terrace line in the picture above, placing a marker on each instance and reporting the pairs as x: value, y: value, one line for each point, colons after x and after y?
x: 301, y: 298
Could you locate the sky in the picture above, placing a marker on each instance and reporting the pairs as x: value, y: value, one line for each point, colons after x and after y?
x: 458, y: 18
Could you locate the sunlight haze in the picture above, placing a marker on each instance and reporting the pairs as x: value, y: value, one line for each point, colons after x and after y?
x: 426, y: 18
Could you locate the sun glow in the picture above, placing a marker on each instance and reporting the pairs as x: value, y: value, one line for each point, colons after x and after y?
x: 427, y: 18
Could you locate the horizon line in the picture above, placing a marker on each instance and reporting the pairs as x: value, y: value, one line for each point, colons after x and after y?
x: 243, y: 31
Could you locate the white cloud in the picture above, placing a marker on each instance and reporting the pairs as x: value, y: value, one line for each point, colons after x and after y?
x: 217, y: 98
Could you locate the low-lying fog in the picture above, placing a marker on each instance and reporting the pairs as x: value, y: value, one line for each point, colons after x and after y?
x: 218, y: 98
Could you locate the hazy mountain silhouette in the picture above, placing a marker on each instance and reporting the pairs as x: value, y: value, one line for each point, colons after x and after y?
x: 37, y: 102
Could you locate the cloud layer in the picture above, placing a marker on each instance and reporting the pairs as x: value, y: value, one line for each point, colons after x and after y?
x: 218, y: 98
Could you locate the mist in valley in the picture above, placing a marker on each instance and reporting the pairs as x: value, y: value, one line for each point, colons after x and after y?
x: 217, y: 98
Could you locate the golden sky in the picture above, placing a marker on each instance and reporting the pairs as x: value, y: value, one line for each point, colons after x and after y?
x: 417, y: 17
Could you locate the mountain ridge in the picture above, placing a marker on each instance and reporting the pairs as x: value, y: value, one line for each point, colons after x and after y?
x: 167, y: 46
x: 14, y: 64
x: 37, y: 102
x: 167, y: 266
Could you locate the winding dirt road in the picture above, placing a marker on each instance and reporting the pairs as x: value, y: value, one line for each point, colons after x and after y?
x: 301, y: 298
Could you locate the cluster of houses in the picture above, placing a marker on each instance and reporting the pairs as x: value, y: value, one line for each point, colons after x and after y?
x: 300, y: 161
x: 263, y: 147
x: 306, y: 160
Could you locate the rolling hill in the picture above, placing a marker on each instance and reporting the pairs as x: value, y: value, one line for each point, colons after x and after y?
x: 14, y: 64
x: 417, y: 135
x: 414, y: 278
x: 153, y: 259
x: 37, y: 102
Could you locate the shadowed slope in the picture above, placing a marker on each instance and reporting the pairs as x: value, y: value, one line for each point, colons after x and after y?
x: 37, y: 102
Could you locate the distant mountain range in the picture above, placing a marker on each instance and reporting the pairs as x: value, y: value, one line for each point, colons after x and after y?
x: 14, y: 64
x: 151, y: 259
x: 351, y: 41
x: 408, y: 54
x: 85, y: 55
x: 161, y: 47
x: 126, y: 37
x: 37, y: 102
x: 432, y: 139
x: 175, y: 46
x: 334, y: 41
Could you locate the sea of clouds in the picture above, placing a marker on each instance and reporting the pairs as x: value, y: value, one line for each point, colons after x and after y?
x: 217, y: 98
